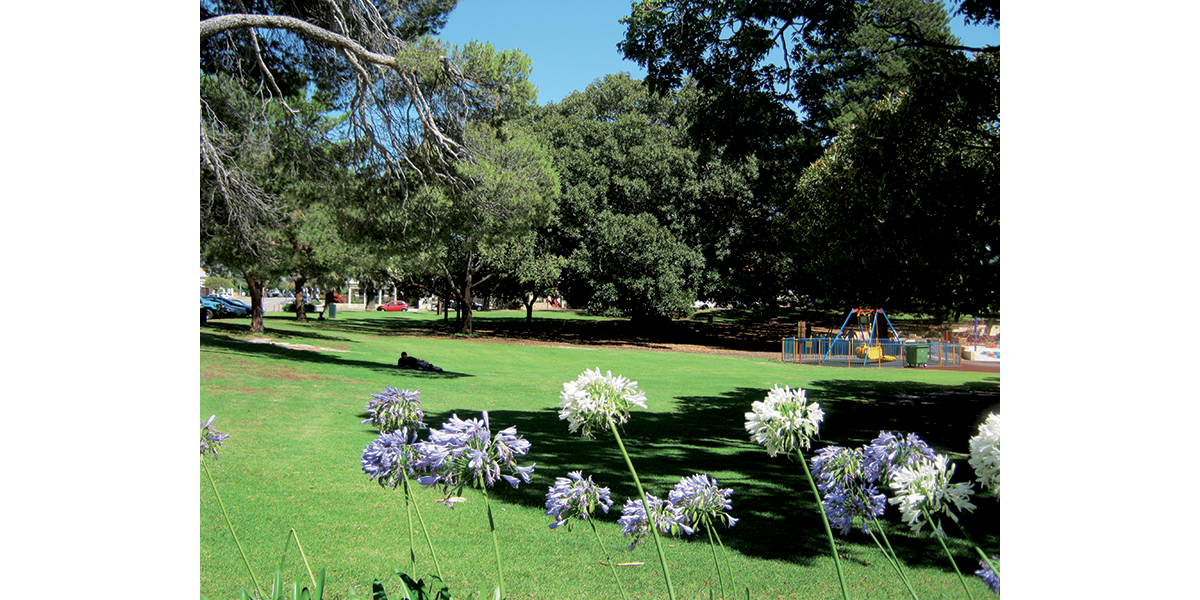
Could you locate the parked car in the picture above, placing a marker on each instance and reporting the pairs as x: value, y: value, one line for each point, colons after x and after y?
x: 393, y: 305
x: 209, y: 309
x: 475, y: 305
x: 230, y: 308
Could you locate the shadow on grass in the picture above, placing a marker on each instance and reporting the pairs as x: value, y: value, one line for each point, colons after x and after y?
x: 282, y: 353
x: 780, y: 519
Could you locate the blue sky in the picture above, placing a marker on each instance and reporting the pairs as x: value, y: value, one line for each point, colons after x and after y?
x: 573, y: 43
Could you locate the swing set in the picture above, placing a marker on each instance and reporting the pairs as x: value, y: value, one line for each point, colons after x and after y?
x: 867, y: 338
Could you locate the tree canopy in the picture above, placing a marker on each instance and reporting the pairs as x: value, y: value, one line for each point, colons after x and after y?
x: 876, y: 131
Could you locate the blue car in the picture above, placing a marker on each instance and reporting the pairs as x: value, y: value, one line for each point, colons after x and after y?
x: 209, y: 309
x: 228, y: 308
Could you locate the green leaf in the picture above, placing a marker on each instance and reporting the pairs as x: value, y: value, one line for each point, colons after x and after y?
x: 320, y: 591
x: 377, y: 592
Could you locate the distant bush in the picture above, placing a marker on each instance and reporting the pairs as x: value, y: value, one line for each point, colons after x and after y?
x: 291, y: 307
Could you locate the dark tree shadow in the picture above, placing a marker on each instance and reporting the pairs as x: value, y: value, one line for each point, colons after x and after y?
x: 223, y: 343
x: 780, y: 519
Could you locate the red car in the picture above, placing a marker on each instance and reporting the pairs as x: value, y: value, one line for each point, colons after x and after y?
x: 393, y: 305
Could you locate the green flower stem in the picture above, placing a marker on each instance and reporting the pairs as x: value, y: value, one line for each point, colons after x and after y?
x: 980, y: 552
x: 607, y: 558
x: 948, y: 555
x: 230, y: 523
x: 662, y: 560
x: 495, y: 542
x: 429, y: 542
x: 837, y: 563
x: 412, y: 553
x: 893, y: 559
x: 725, y: 552
x: 303, y: 557
x: 716, y: 563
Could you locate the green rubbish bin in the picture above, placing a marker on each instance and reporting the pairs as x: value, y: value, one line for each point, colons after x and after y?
x: 333, y: 312
x: 916, y: 355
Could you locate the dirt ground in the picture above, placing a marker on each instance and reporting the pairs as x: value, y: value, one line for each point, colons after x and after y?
x: 760, y: 338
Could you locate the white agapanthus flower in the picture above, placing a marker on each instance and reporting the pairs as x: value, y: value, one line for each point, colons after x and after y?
x: 590, y: 400
x: 985, y: 453
x: 784, y: 420
x: 926, y: 486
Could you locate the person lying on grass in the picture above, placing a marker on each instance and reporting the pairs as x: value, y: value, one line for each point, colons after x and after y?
x: 412, y: 362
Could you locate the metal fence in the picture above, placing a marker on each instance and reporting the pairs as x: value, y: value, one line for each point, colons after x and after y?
x: 842, y: 352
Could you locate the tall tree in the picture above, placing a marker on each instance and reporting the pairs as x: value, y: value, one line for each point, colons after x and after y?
x: 625, y: 158
x: 280, y: 47
x: 783, y: 80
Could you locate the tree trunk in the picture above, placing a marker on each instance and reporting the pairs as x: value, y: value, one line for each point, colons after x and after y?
x: 369, y: 291
x: 467, y: 298
x: 529, y: 300
x: 256, y: 306
x: 298, y: 301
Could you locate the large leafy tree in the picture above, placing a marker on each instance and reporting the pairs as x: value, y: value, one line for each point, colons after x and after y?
x: 783, y: 80
x: 451, y: 223
x: 368, y: 56
x: 634, y: 186
x: 286, y: 152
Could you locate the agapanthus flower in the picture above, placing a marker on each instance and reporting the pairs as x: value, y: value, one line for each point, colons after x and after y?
x: 985, y: 453
x: 784, y: 421
x: 845, y: 491
x: 387, y: 454
x: 464, y: 452
x: 989, y: 576
x: 636, y: 523
x: 210, y: 438
x: 575, y: 497
x: 393, y: 409
x: 590, y: 400
x: 886, y: 453
x: 927, y: 487
x: 698, y: 499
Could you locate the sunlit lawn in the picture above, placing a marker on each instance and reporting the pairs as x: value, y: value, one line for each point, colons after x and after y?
x: 293, y: 461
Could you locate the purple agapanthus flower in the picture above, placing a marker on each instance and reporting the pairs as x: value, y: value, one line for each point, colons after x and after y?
x: 989, y: 576
x: 575, y: 497
x: 699, y: 499
x: 887, y: 453
x: 464, y: 452
x: 392, y: 409
x: 846, y: 492
x: 210, y: 438
x: 387, y: 454
x: 635, y: 523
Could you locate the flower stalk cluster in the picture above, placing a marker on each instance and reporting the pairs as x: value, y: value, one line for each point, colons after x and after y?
x: 784, y: 421
x: 592, y: 400
x: 210, y: 438
x: 573, y: 497
x: 394, y: 409
x: 985, y: 454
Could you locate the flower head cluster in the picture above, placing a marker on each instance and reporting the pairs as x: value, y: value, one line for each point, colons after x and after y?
x: 210, y: 438
x: 887, y: 453
x: 394, y: 409
x: 387, y: 454
x: 845, y: 490
x: 592, y: 399
x: 784, y: 421
x: 575, y: 497
x: 699, y: 500
x: 989, y: 576
x: 926, y: 487
x: 985, y: 453
x: 635, y: 522
x: 464, y: 452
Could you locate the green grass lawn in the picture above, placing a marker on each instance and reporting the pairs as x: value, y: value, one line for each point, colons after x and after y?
x: 293, y: 461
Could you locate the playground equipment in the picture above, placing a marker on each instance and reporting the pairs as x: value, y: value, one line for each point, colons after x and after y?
x: 860, y: 343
